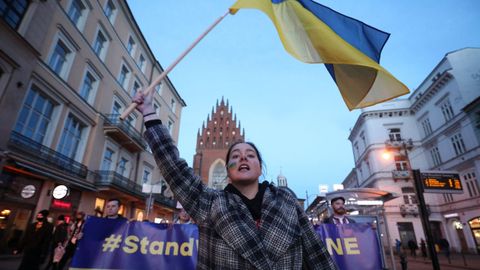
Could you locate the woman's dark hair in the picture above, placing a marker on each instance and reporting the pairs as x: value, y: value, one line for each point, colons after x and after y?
x: 259, y: 156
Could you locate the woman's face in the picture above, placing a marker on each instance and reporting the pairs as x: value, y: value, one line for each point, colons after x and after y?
x: 244, y: 165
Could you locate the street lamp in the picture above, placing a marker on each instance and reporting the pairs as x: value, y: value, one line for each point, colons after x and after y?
x: 423, y: 211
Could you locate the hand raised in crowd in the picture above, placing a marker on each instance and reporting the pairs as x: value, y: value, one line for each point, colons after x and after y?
x: 145, y: 105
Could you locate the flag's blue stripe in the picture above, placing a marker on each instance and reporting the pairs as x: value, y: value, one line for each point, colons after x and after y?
x: 363, y: 37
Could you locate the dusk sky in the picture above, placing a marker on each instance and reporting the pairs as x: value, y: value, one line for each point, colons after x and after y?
x: 291, y: 110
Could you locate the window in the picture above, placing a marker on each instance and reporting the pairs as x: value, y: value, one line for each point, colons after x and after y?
x: 107, y: 159
x: 89, y: 82
x: 12, y: 11
x: 71, y: 137
x: 99, y: 204
x: 117, y: 108
x: 355, y: 146
x: 75, y: 12
x: 362, y: 136
x: 472, y: 184
x: 131, y: 46
x: 146, y: 176
x: 99, y: 44
x: 59, y: 58
x: 448, y: 198
x: 401, y: 163
x: 447, y: 110
x: 131, y: 121
x: 158, y: 88
x: 156, y: 106
x: 123, y: 78
x: 170, y: 126
x: 110, y: 11
x: 35, y: 116
x: 135, y: 88
x: 394, y: 134
x: 409, y: 196
x: 427, y: 128
x: 435, y: 154
x: 141, y: 63
x: 172, y: 104
x: 122, y: 166
x: 458, y: 144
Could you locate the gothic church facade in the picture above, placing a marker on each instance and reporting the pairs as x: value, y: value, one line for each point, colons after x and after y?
x: 213, y: 141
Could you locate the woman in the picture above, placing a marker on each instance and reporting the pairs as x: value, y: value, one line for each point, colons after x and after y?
x: 245, y: 226
x: 76, y: 233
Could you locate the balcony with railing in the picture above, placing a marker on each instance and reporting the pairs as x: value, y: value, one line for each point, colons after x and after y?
x: 114, y: 179
x: 123, y: 133
x: 124, y: 184
x: 40, y: 154
x: 164, y: 200
x: 409, y: 209
x: 401, y: 174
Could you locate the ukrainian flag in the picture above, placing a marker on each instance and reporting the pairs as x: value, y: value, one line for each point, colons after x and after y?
x: 313, y: 33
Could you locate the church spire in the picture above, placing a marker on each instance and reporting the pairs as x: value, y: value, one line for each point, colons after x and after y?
x: 213, y: 140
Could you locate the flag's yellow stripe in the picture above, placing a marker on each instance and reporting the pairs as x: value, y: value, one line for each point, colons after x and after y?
x: 361, y: 80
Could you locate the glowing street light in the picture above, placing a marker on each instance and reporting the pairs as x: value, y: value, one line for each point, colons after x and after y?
x: 387, y: 155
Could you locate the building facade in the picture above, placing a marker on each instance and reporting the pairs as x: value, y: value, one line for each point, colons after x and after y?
x: 435, y: 129
x: 67, y: 70
x: 213, y: 141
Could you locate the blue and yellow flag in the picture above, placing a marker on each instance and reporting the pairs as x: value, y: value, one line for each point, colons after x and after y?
x: 313, y: 33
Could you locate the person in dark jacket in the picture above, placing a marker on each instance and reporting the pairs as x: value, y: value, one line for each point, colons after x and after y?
x: 423, y: 248
x: 412, y: 245
x: 35, y: 244
x: 60, y: 235
x: 339, y: 215
x: 248, y: 225
x: 112, y: 209
x: 75, y: 234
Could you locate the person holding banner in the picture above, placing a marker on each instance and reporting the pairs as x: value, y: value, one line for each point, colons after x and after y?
x: 75, y: 234
x: 339, y: 215
x: 248, y: 225
x: 112, y: 208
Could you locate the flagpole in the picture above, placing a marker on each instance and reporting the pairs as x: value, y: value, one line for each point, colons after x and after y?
x: 150, y: 88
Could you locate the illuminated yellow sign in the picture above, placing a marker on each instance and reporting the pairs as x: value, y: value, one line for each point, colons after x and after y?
x: 442, y: 182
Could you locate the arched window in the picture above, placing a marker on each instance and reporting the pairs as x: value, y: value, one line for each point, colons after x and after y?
x: 218, y: 175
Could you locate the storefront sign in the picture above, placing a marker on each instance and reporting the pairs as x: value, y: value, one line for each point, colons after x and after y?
x: 61, y: 204
x: 60, y: 192
x: 441, y: 182
x: 28, y: 191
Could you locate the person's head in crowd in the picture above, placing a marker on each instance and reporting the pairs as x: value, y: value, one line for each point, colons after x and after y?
x: 42, y: 215
x: 338, y: 206
x: 79, y: 216
x: 98, y: 212
x: 60, y: 219
x: 244, y: 166
x: 183, y: 216
x: 112, y: 208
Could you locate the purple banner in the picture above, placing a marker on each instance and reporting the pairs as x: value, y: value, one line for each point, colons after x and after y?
x: 352, y: 246
x: 118, y: 244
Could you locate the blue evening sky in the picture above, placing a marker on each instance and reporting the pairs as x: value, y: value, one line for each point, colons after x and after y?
x: 292, y: 111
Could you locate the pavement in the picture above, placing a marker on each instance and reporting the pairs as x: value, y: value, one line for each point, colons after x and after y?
x: 457, y: 262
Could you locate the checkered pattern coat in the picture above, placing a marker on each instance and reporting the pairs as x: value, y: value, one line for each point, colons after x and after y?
x: 229, y: 237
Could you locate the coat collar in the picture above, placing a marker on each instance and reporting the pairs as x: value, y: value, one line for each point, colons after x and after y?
x: 278, y: 230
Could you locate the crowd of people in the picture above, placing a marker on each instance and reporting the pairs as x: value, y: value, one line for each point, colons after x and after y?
x: 442, y: 245
x: 53, y: 245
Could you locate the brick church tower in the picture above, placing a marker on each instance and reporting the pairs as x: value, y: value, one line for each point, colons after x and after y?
x: 213, y: 141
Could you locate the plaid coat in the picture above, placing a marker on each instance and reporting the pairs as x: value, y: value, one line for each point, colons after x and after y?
x: 229, y: 237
